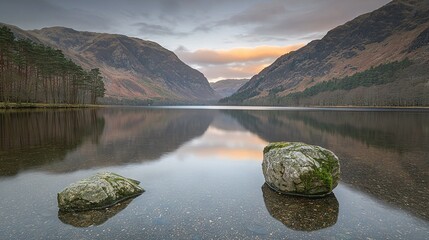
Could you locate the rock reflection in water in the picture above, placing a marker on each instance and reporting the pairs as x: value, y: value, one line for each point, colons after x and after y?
x: 92, y: 217
x: 383, y: 153
x: 303, y: 214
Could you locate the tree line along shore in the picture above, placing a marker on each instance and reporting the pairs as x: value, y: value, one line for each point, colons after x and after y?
x: 35, y: 75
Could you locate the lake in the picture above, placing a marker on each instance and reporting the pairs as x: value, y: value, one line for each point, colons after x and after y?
x: 201, y: 169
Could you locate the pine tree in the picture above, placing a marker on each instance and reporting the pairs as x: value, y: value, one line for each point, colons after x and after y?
x: 32, y: 72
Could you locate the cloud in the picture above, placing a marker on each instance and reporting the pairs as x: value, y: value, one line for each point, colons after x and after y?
x: 155, y: 29
x: 198, y: 23
x: 233, y: 63
x: 259, y: 38
x: 30, y: 14
x: 274, y: 20
x: 258, y: 13
x: 231, y: 71
x: 216, y: 57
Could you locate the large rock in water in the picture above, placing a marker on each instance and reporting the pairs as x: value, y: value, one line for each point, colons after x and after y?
x: 300, y: 169
x: 99, y: 191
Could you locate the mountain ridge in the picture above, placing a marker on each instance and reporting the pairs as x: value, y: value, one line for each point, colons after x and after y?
x: 226, y: 87
x: 136, y: 71
x: 391, y: 33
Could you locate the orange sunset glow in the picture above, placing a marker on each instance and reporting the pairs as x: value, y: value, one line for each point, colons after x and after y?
x: 241, y: 145
x: 259, y: 53
x: 236, y: 62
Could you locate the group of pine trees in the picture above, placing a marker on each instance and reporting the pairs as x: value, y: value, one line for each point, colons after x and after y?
x: 34, y: 73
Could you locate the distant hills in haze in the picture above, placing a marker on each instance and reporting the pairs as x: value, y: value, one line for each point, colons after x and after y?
x: 135, y: 71
x: 227, y: 87
x: 379, y: 58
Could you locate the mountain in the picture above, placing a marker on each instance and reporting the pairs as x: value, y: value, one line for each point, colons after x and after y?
x: 379, y: 58
x: 227, y: 87
x: 135, y: 70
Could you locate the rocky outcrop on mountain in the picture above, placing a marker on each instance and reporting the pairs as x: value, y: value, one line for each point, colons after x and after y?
x: 352, y: 64
x: 227, y: 87
x: 135, y: 71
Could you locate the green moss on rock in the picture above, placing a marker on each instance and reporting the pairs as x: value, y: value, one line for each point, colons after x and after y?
x: 300, y: 169
x: 99, y: 191
x: 276, y: 145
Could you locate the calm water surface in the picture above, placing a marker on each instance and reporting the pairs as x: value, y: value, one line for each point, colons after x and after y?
x: 201, y: 169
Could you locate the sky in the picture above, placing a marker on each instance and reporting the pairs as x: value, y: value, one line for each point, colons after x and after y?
x: 222, y: 38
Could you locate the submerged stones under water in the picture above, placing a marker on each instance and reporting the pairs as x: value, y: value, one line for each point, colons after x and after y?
x: 300, y: 169
x: 97, y: 192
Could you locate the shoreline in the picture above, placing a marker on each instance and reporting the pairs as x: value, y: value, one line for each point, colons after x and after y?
x: 354, y: 106
x: 265, y: 107
x: 12, y: 105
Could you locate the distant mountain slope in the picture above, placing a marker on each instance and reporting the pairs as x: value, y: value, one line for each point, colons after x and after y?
x: 395, y: 32
x: 135, y: 70
x: 227, y: 87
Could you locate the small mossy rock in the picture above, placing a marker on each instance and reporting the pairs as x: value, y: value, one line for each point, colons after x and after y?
x: 300, y: 169
x: 97, y: 192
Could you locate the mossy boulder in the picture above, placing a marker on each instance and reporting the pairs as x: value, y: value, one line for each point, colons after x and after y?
x: 300, y: 169
x: 97, y: 192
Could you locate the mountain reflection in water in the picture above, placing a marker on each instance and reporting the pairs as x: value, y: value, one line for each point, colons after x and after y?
x: 384, y: 153
x: 71, y: 140
x: 202, y: 172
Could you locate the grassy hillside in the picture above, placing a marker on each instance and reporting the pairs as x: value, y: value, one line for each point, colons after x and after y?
x: 363, y: 62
